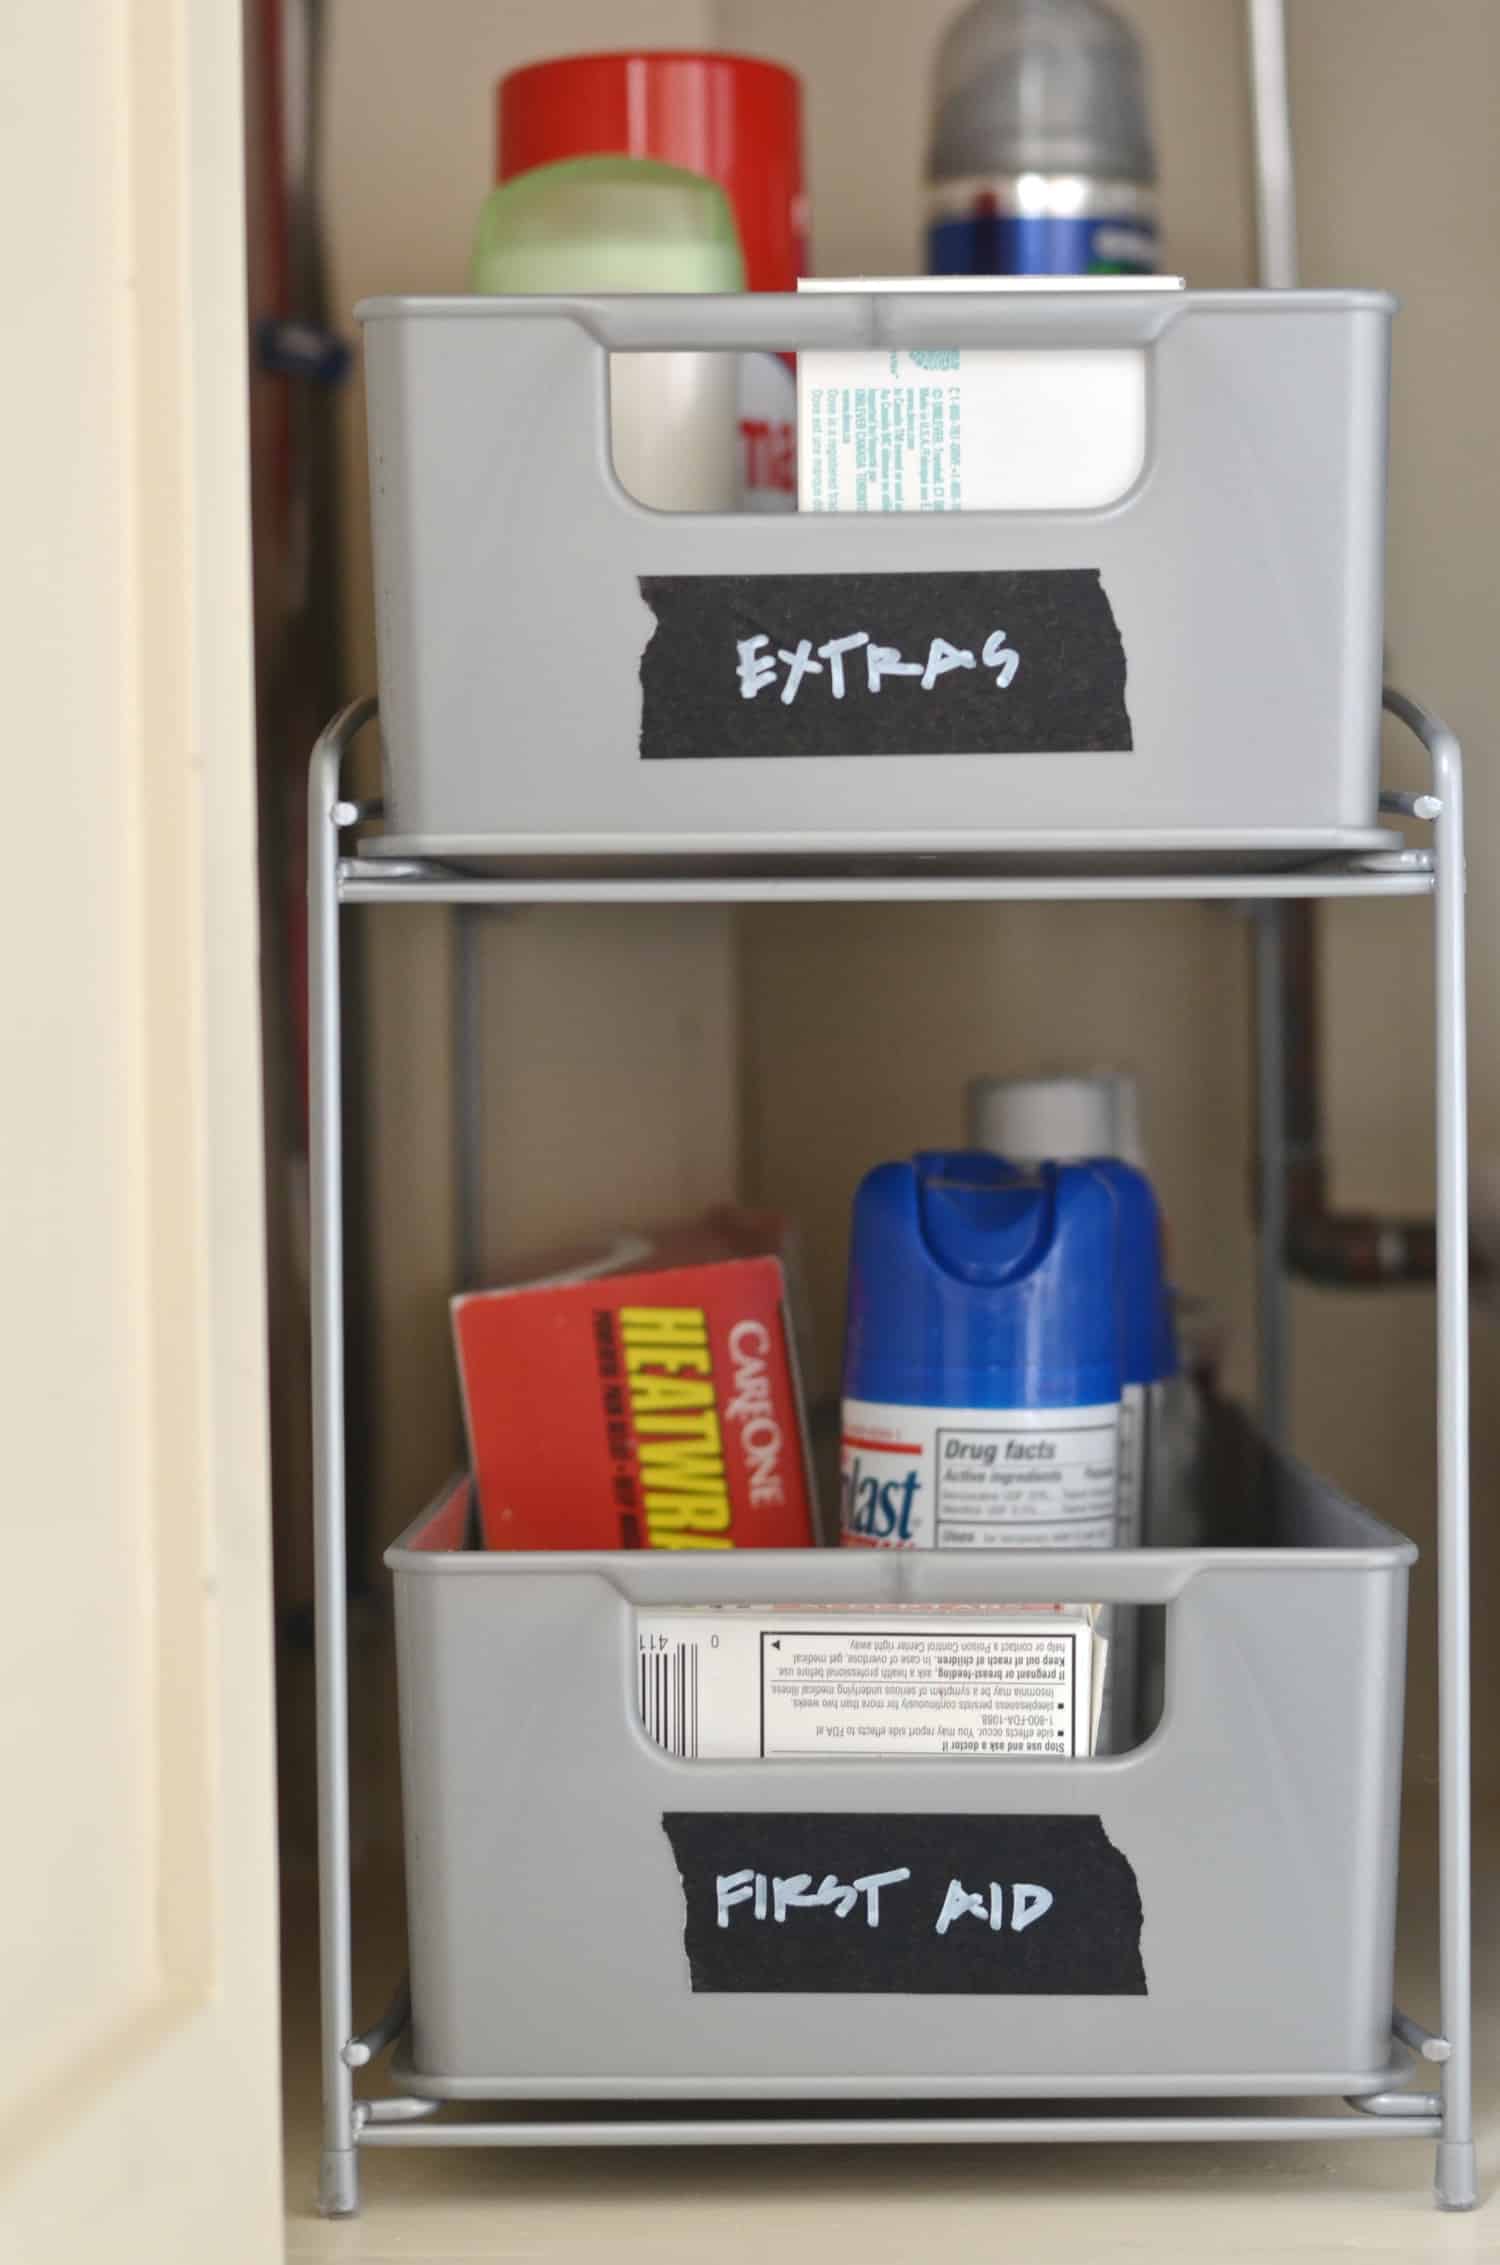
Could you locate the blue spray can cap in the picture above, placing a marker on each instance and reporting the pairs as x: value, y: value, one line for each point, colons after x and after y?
x: 1148, y: 1348
x: 976, y: 1284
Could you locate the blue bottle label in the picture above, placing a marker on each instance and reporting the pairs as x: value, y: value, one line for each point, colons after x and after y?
x: 987, y: 241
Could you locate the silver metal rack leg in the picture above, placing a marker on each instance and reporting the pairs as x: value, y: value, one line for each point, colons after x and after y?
x: 1273, y: 1291
x: 1456, y: 2181
x: 338, y: 2189
x: 1276, y: 264
x: 468, y: 1095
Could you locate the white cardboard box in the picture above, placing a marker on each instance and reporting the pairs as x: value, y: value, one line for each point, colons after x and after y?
x: 960, y: 429
x: 731, y: 1682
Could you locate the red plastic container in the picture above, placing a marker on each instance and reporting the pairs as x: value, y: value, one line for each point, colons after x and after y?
x: 733, y: 117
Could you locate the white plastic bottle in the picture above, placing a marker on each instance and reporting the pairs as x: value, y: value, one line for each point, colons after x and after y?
x: 1097, y: 1118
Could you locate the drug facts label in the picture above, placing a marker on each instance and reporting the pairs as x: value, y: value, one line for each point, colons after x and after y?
x: 725, y: 1682
x: 979, y: 1478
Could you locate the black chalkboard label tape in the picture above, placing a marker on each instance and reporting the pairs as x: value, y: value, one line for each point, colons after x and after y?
x: 1028, y: 662
x: 998, y: 1906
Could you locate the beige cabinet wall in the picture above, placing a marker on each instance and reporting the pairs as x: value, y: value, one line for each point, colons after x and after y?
x: 856, y: 1029
x: 609, y: 1079
x: 861, y: 1027
x: 1395, y: 120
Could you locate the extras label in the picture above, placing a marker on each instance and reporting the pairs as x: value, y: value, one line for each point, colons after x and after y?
x: 1023, y: 662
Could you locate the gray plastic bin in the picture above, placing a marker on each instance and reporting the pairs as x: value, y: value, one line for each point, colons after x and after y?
x: 1260, y: 1820
x: 1240, y: 581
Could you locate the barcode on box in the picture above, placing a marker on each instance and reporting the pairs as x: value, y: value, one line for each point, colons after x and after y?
x: 669, y: 1696
x: 725, y: 1683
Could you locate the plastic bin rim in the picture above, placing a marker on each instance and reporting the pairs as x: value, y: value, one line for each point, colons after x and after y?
x: 876, y: 321
x: 768, y: 306
x: 1386, y: 1551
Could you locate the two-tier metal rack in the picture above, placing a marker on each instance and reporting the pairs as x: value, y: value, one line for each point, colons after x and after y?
x: 343, y: 875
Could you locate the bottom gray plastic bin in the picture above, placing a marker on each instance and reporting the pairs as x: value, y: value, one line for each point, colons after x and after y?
x: 1257, y: 1824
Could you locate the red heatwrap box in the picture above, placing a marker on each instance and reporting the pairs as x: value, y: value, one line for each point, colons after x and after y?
x: 646, y: 1398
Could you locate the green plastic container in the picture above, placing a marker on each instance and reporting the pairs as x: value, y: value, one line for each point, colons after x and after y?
x: 605, y: 224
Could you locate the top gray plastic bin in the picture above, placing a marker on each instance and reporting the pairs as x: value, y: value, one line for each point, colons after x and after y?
x: 1200, y: 663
